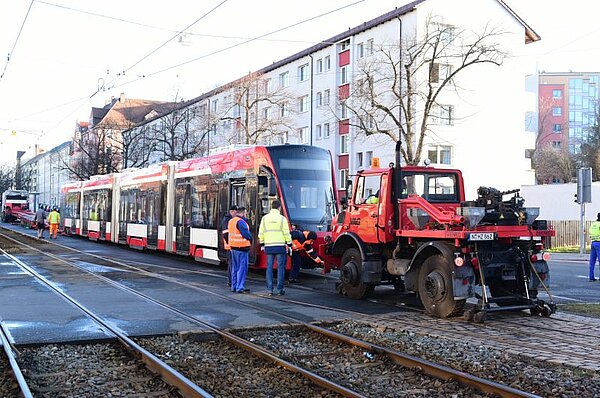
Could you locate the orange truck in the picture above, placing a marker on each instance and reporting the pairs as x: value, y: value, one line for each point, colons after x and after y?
x: 412, y: 228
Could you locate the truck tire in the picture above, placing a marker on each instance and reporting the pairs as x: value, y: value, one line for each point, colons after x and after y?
x: 351, y: 275
x: 435, y: 288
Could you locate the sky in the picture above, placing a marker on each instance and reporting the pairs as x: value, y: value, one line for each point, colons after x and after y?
x: 67, y: 56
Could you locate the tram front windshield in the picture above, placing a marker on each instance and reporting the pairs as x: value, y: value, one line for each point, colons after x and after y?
x: 307, y: 189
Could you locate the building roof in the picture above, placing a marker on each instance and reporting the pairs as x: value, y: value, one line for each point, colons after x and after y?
x: 56, y: 149
x: 125, y: 112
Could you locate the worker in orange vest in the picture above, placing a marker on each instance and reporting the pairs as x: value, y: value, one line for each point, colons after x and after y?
x: 224, y: 231
x: 239, y: 239
x: 302, y: 241
x: 54, y: 220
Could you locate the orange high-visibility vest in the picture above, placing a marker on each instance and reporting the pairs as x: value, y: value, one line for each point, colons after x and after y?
x: 236, y: 240
x: 296, y: 245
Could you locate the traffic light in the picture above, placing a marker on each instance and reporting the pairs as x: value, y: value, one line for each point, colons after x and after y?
x: 584, y: 185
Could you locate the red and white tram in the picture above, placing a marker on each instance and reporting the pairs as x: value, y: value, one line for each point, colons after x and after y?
x: 178, y: 206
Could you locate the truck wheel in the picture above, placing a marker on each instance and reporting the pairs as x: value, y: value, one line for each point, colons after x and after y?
x: 435, y: 288
x: 351, y: 275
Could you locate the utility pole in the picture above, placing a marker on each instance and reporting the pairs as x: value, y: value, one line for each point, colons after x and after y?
x: 583, y: 196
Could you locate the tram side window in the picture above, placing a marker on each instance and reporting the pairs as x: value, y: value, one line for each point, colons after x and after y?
x: 204, y: 201
x: 72, y: 205
x: 103, y: 203
x: 124, y: 206
x: 237, y: 195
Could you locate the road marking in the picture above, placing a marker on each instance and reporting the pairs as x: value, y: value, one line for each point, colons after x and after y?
x: 560, y: 297
x: 583, y: 276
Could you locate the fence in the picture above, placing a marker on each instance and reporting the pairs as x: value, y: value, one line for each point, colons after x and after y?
x: 567, y: 233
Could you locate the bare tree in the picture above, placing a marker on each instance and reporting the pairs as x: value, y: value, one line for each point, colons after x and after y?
x: 93, y: 153
x: 181, y: 134
x: 553, y: 165
x: 397, y: 88
x: 258, y: 110
x: 7, y: 177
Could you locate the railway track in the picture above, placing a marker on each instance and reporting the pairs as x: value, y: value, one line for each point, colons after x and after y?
x: 408, y: 363
x: 173, y: 380
x: 570, y: 345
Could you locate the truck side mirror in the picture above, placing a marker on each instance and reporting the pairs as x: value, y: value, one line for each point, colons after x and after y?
x: 272, y: 186
x: 348, y: 191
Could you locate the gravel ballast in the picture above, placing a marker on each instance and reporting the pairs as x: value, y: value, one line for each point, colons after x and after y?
x: 538, y: 377
x: 226, y: 370
x: 95, y: 370
x: 351, y: 367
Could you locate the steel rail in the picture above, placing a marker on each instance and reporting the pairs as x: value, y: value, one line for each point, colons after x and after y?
x: 168, y: 374
x: 238, y: 341
x: 25, y: 391
x: 430, y: 368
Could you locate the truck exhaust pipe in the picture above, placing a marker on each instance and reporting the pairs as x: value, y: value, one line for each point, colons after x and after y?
x: 397, y: 185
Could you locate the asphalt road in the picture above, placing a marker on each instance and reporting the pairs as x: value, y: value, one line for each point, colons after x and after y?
x: 569, y: 279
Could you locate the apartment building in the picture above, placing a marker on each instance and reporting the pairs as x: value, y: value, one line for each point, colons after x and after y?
x: 567, y: 108
x: 475, y: 126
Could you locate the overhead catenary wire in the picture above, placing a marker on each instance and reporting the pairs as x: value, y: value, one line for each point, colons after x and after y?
x: 206, y: 14
x: 12, y: 50
x: 86, y: 99
x: 238, y: 44
x: 140, y: 24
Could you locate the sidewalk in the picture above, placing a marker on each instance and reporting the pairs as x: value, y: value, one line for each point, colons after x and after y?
x: 569, y: 257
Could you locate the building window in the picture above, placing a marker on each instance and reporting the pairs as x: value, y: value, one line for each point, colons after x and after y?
x: 327, y: 63
x: 215, y: 105
x: 343, y: 178
x: 303, y: 73
x: 556, y: 111
x: 344, y: 75
x: 267, y: 113
x: 344, y: 143
x: 344, y: 111
x: 320, y: 65
x: 359, y: 159
x: 557, y: 128
x: 440, y: 154
x: 319, y: 99
x: 440, y: 73
x: 557, y: 94
x: 369, y: 158
x: 319, y: 129
x: 303, y: 104
x: 284, y: 109
x: 344, y: 45
x: 556, y: 144
x: 360, y: 50
x: 304, y: 136
x: 446, y: 34
x: 443, y: 115
x: 284, y: 79
x: 370, y: 47
x: 326, y: 97
x: 326, y: 130
x: 202, y: 110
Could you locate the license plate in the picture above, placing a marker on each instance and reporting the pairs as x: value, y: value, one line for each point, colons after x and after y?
x: 476, y: 236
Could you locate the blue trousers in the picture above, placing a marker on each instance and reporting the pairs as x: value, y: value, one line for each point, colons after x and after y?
x: 296, y: 264
x: 281, y: 260
x: 239, y: 270
x: 594, y: 254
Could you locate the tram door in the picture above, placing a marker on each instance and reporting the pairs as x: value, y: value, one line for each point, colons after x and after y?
x: 243, y: 193
x: 222, y: 210
x: 183, y: 215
